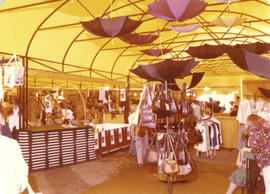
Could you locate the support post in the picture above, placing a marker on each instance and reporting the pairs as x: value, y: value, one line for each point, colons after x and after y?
x: 127, y: 108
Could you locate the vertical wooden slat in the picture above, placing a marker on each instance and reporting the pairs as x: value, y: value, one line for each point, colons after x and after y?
x: 30, y: 151
x: 60, y: 150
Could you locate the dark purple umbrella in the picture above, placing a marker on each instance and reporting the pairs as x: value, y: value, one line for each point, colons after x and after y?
x: 257, y: 64
x: 138, y: 39
x: 196, y: 78
x: 110, y: 27
x: 165, y: 70
x: 206, y: 51
x: 237, y: 55
x: 176, y: 10
x: 257, y: 47
x: 156, y: 52
x: 265, y: 92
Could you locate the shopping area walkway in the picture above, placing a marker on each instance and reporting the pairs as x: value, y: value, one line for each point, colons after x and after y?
x: 117, y: 173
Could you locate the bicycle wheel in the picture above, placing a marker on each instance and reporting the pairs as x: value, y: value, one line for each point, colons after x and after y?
x: 35, y: 110
x: 58, y: 112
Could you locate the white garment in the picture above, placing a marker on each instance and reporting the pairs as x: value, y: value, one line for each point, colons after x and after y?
x: 102, y: 95
x: 14, y: 170
x: 266, y: 177
x: 13, y: 119
x: 196, y: 111
x: 244, y: 110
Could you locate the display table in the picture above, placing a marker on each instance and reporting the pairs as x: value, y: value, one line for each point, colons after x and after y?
x: 57, y: 146
x: 229, y: 127
x: 110, y: 137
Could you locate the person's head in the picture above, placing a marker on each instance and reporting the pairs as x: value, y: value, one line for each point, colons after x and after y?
x: 235, y: 107
x: 255, y: 120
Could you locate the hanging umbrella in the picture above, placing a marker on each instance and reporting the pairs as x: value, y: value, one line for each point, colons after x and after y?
x: 110, y: 27
x: 186, y: 28
x: 226, y: 1
x: 148, y: 73
x: 138, y: 39
x: 175, y: 10
x: 237, y: 55
x: 257, y: 64
x: 257, y: 47
x: 229, y: 21
x: 164, y: 70
x: 156, y: 52
x: 196, y: 78
x: 265, y: 92
x: 207, y: 51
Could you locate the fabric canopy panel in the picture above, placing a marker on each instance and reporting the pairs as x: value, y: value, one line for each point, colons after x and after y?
x: 111, y: 27
x: 49, y: 37
x: 207, y: 51
x: 165, y: 70
x: 138, y: 39
x: 175, y: 10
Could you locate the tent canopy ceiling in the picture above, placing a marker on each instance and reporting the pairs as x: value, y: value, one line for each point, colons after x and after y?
x: 48, y: 34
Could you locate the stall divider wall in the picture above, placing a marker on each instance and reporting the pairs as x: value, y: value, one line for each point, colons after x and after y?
x: 55, y: 148
x: 45, y: 149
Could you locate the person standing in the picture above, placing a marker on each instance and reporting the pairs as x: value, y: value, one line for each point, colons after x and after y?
x: 13, y: 168
x: 259, y: 142
x: 142, y: 140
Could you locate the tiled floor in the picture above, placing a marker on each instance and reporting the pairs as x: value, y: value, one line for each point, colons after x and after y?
x: 89, y: 175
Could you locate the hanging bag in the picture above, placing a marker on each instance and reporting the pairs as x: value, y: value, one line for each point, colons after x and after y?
x: 172, y: 104
x: 152, y: 154
x: 171, y: 164
x: 148, y: 118
x: 160, y: 104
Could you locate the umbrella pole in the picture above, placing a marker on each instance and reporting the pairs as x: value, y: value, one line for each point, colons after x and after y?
x: 167, y: 133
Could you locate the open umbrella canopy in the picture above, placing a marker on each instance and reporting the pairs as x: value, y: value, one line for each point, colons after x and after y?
x: 207, y: 51
x: 257, y: 64
x: 174, y: 10
x: 196, y: 78
x: 156, y: 52
x: 226, y: 1
x: 229, y: 21
x: 256, y: 47
x: 237, y: 55
x: 265, y: 92
x: 185, y: 28
x: 138, y: 39
x: 165, y: 70
x: 110, y: 27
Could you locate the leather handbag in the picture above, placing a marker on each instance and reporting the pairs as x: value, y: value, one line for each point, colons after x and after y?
x: 148, y: 118
x: 171, y: 165
x: 152, y: 154
x: 160, y: 105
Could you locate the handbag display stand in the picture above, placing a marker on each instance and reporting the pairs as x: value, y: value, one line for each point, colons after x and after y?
x: 172, y: 176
